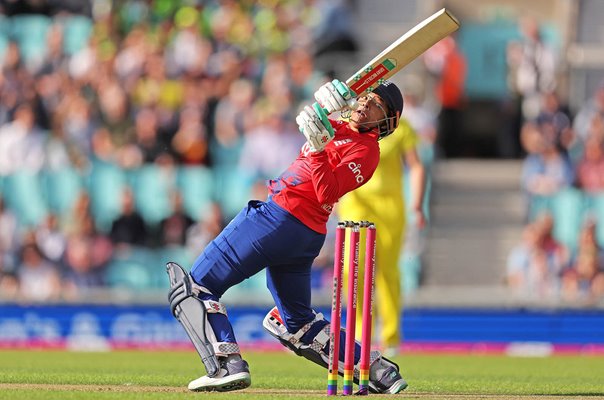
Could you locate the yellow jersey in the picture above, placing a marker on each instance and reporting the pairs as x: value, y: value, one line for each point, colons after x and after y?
x: 387, y: 180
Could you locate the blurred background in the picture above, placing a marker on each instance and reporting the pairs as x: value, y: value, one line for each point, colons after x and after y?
x: 132, y: 131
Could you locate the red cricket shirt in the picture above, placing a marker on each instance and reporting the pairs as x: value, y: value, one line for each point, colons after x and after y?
x: 314, y: 182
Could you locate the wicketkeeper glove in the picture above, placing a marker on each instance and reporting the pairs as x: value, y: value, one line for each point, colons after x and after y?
x: 334, y: 96
x: 314, y: 124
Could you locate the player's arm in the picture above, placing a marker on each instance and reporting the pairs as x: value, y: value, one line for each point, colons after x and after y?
x: 417, y: 180
x: 354, y: 170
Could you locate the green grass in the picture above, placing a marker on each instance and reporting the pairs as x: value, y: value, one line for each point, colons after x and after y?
x: 164, y: 375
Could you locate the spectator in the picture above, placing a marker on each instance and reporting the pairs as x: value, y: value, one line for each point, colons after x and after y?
x: 594, y: 107
x: 532, y: 269
x: 173, y: 229
x: 446, y: 61
x: 532, y: 71
x: 9, y: 286
x: 303, y: 75
x: 590, y: 169
x: 232, y: 119
x: 9, y: 240
x: 423, y: 121
x: 272, y: 130
x: 545, y: 224
x: 21, y: 143
x: 80, y: 274
x: 129, y: 227
x: 39, y: 279
x: 206, y: 229
x: 50, y: 239
x: 87, y: 254
x: 190, y: 141
x: 148, y: 145
x: 545, y: 171
x: 80, y: 211
x: 584, y: 279
x: 555, y: 121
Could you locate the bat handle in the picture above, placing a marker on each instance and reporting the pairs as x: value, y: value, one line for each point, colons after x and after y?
x: 322, y: 114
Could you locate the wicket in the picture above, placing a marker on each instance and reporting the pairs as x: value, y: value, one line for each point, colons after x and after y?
x: 351, y: 307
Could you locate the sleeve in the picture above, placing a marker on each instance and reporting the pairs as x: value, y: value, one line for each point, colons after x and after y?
x: 355, y: 169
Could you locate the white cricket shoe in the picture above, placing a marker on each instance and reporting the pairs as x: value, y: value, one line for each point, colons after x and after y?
x: 234, y: 374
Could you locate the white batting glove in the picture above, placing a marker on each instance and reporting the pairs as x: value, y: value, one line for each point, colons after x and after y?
x: 334, y: 96
x: 313, y: 123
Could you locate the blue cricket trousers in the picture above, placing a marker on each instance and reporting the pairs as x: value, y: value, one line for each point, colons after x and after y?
x: 262, y: 235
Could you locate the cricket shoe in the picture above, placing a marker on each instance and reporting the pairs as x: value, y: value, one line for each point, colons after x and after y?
x: 384, y: 376
x: 234, y: 374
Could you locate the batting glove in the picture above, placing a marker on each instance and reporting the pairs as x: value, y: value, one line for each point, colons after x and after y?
x: 334, y: 96
x: 313, y: 123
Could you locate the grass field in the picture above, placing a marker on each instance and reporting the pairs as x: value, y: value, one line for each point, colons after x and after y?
x: 280, y: 375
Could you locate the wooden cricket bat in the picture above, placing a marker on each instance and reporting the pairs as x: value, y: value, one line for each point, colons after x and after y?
x: 404, y: 50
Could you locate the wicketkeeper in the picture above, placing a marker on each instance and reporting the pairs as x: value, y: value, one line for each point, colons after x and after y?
x: 284, y: 235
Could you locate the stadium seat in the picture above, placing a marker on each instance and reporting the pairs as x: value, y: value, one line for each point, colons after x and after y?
x: 30, y: 33
x: 4, y: 34
x: 596, y: 210
x: 23, y: 194
x: 250, y: 291
x: 538, y: 205
x: 224, y: 157
x: 106, y: 183
x: 61, y: 189
x: 152, y: 193
x: 157, y: 269
x: 76, y: 32
x: 129, y: 270
x: 232, y: 189
x: 196, y: 187
x: 568, y: 210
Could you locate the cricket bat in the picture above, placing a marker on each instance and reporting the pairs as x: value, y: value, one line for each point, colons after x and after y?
x: 404, y: 50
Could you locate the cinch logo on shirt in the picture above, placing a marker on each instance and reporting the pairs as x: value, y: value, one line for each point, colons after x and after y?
x: 356, y: 170
x: 341, y: 142
x: 327, y: 207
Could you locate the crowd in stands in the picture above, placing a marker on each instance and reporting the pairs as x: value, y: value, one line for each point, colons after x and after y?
x: 561, y: 253
x: 130, y: 138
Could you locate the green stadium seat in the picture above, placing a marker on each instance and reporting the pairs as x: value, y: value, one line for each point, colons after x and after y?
x: 129, y: 269
x: 538, y: 205
x: 152, y: 193
x: 568, y: 210
x: 5, y: 28
x: 157, y: 269
x: 106, y: 183
x: 61, y: 188
x: 196, y: 187
x: 596, y: 210
x: 250, y: 290
x: 125, y: 274
x: 76, y: 32
x: 3, y: 44
x: 232, y: 189
x: 30, y: 32
x: 23, y: 194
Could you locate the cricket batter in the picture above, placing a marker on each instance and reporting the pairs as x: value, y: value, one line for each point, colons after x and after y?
x: 381, y: 201
x: 284, y: 235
